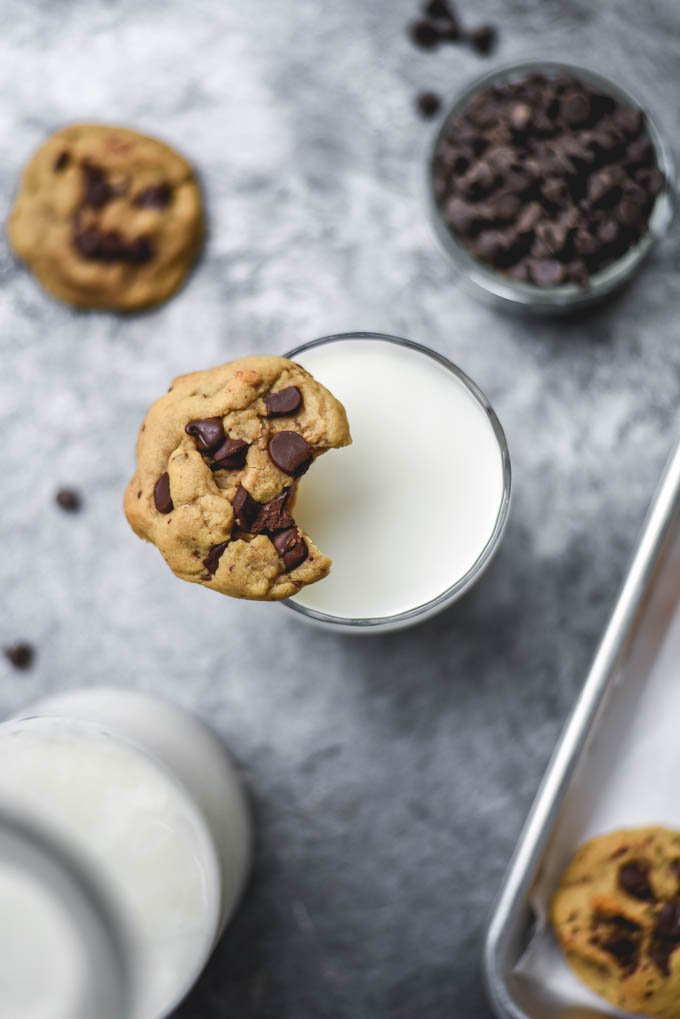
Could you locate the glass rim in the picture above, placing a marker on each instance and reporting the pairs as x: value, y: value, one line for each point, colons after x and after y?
x: 36, y: 848
x: 564, y: 296
x: 401, y: 620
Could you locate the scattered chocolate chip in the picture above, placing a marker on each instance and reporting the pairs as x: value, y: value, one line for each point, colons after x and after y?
x: 633, y: 879
x: 97, y: 190
x: 69, y: 500
x: 245, y: 509
x: 291, y: 547
x: 290, y: 452
x: 438, y: 9
x: 483, y: 39
x: 428, y: 104
x: 20, y: 655
x: 231, y: 456
x: 283, y: 402
x: 208, y: 433
x: 212, y: 560
x: 424, y: 34
x: 61, y: 162
x: 161, y: 494
x: 156, y: 196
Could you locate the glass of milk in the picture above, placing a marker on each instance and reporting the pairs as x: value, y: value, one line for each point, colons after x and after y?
x: 412, y: 512
x: 142, y: 800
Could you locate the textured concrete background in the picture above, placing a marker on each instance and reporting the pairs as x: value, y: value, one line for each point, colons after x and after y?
x: 390, y: 776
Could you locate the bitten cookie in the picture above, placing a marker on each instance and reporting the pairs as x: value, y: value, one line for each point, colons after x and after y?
x: 107, y: 218
x: 218, y: 462
x: 616, y: 915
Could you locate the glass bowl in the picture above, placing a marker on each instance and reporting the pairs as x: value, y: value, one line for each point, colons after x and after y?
x: 418, y: 613
x: 502, y: 291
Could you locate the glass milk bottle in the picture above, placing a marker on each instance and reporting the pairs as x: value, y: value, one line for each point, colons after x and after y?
x: 143, y: 804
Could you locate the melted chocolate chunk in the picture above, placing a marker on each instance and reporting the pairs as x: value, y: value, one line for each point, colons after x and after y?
x: 291, y: 547
x: 110, y: 246
x: 284, y: 402
x: 633, y: 879
x: 156, y: 196
x: 262, y: 518
x: 208, y: 433
x: 665, y: 936
x: 212, y: 560
x: 231, y: 455
x: 161, y: 494
x: 61, y: 162
x: 97, y: 190
x: 20, y: 655
x: 290, y: 452
x: 245, y: 509
x: 68, y: 499
x: 621, y: 938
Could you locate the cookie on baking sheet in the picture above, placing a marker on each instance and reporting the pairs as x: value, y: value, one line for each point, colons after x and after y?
x: 218, y: 462
x: 107, y: 218
x: 616, y: 915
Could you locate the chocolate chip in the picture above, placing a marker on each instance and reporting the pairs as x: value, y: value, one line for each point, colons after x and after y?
x: 161, y: 494
x: 111, y: 246
x: 483, y: 38
x: 283, y: 402
x: 262, y: 518
x: 156, y: 196
x: 208, y: 433
x: 212, y: 560
x: 435, y: 9
x: 576, y: 109
x: 424, y: 34
x: 97, y: 190
x: 290, y: 452
x: 291, y: 548
x: 621, y: 938
x: 428, y: 104
x: 245, y: 508
x: 273, y: 516
x: 231, y: 456
x: 547, y: 272
x: 69, y: 500
x: 633, y: 879
x: 61, y: 162
x: 20, y: 655
x: 665, y: 936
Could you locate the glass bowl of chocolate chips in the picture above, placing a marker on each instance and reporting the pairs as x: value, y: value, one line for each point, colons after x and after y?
x: 548, y: 185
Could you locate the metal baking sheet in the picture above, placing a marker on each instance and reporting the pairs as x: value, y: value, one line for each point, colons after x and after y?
x: 615, y: 765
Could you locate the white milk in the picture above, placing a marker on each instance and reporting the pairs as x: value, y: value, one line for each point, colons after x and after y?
x: 144, y: 795
x: 406, y: 511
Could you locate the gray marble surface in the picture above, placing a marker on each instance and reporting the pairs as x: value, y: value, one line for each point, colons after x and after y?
x: 389, y: 775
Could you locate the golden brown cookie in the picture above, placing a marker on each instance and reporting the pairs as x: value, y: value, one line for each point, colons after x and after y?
x: 218, y: 463
x: 107, y: 218
x: 616, y: 915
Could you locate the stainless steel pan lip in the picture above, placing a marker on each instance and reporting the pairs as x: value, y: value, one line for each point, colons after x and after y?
x: 523, y: 867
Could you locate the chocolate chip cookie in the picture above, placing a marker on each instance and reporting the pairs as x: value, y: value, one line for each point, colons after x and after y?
x: 219, y: 458
x: 616, y: 915
x: 107, y: 218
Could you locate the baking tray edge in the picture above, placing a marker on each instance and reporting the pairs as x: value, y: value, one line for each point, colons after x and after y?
x: 509, y: 911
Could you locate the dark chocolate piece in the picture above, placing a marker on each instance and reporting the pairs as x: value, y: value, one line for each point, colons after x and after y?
x: 283, y: 402
x: 290, y: 452
x: 20, y: 655
x: 633, y: 879
x: 161, y: 494
x: 231, y: 456
x: 208, y: 433
x: 156, y: 196
x: 212, y: 560
x: 69, y: 500
x: 291, y: 547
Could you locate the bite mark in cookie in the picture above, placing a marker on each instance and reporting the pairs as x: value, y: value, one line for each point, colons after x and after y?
x: 215, y: 461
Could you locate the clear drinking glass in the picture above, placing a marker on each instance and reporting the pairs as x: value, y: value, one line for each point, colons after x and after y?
x: 501, y: 291
x: 417, y: 614
x: 62, y: 954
